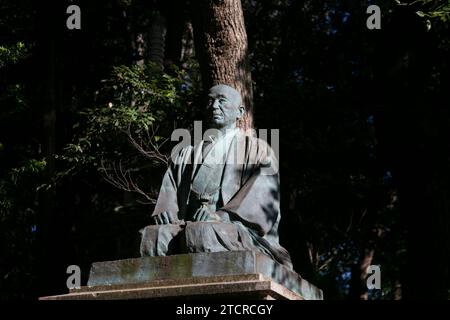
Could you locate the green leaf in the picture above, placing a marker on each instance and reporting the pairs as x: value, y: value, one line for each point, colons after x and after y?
x: 420, y: 14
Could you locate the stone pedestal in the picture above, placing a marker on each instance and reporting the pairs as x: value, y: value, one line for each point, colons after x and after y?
x: 238, y: 274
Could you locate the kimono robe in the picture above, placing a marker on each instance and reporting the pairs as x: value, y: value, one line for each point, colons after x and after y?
x: 242, y: 181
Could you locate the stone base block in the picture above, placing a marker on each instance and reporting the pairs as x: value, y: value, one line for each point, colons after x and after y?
x: 237, y: 274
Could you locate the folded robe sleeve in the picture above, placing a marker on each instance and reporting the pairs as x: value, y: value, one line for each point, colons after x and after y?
x: 172, y: 189
x: 256, y: 204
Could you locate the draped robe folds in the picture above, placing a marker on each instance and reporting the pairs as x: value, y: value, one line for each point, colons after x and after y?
x: 248, y: 190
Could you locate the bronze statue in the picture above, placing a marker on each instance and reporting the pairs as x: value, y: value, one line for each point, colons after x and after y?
x: 216, y: 195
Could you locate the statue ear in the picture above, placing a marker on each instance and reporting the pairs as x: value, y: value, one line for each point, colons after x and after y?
x: 241, y: 111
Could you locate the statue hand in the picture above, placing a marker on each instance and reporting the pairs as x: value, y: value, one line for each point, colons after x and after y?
x: 203, y: 214
x: 223, y: 216
x: 166, y: 217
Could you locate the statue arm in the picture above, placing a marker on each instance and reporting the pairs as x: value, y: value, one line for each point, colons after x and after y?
x: 167, y: 202
x: 167, y: 197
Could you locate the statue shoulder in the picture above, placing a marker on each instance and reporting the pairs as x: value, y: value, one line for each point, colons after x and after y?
x: 259, y: 151
x: 256, y: 143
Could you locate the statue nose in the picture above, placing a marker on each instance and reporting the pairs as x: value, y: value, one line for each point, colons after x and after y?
x: 215, y: 104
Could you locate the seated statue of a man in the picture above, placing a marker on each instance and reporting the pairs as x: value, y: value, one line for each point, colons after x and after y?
x: 222, y: 194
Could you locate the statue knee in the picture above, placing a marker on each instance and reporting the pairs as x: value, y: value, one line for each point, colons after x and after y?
x: 157, y: 240
x: 198, y: 228
x: 208, y: 236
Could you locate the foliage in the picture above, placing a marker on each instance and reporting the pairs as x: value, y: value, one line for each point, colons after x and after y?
x: 136, y: 103
x: 439, y: 9
x: 12, y: 54
x: 22, y: 168
x: 339, y: 192
x: 429, y: 10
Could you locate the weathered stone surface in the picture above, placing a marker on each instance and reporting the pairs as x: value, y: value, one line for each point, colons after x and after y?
x: 250, y: 286
x: 186, y: 266
x: 235, y: 274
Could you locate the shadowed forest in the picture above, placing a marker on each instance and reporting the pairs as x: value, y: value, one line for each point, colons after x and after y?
x: 364, y: 117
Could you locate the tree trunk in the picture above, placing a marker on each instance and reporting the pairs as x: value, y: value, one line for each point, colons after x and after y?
x: 51, y: 254
x: 222, y: 49
x: 157, y: 37
x: 187, y: 49
x: 358, y: 285
x: 176, y: 25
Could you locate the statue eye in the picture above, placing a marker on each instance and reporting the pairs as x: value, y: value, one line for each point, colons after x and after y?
x: 222, y: 100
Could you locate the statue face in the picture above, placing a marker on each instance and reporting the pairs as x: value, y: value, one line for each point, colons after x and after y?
x: 224, y: 106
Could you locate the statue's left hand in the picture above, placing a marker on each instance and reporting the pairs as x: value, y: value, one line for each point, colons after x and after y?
x: 203, y: 214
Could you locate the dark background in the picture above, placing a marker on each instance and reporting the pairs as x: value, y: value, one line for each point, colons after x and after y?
x: 364, y: 133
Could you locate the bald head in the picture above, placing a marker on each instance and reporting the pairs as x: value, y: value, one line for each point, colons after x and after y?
x: 232, y: 94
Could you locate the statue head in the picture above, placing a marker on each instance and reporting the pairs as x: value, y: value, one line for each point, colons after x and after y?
x: 224, y: 107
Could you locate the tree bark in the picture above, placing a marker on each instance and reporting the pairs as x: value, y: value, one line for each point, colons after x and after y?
x: 176, y: 26
x: 222, y: 48
x: 358, y: 285
x: 157, y: 37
